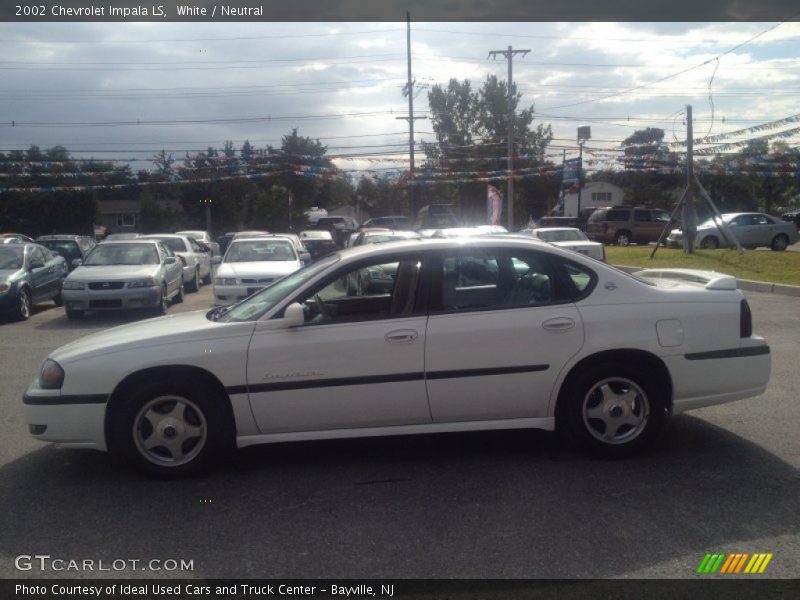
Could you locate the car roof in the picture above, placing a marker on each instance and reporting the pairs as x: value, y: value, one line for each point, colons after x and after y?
x: 138, y: 240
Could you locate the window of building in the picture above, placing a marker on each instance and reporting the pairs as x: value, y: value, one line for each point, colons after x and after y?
x: 126, y: 220
x: 601, y: 197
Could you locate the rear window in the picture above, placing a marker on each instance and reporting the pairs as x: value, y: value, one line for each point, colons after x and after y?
x: 598, y: 215
x: 65, y: 248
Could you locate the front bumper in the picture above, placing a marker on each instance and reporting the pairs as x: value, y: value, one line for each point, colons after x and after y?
x: 9, y: 300
x: 68, y: 421
x: 123, y: 299
x: 231, y: 294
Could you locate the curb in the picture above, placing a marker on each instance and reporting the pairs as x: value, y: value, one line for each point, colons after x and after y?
x: 745, y: 284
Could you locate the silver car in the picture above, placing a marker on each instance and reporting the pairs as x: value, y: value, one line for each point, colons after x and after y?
x: 202, y: 236
x: 196, y: 263
x: 751, y: 229
x: 124, y: 275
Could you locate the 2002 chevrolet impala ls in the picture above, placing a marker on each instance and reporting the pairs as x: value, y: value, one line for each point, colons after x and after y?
x: 477, y: 333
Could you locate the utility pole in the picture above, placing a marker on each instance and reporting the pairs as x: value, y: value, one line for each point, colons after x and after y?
x: 207, y: 203
x: 509, y: 55
x: 409, y: 89
x: 687, y: 214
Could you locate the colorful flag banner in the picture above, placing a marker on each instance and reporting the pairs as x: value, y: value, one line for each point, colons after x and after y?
x: 494, y: 205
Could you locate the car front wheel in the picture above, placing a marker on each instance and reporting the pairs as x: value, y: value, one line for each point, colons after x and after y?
x: 194, y: 284
x: 623, y: 238
x: 710, y: 242
x: 170, y: 429
x: 23, y: 311
x: 612, y: 410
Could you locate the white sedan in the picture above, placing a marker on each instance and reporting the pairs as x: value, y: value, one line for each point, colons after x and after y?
x: 564, y: 342
x: 570, y: 238
x: 251, y: 264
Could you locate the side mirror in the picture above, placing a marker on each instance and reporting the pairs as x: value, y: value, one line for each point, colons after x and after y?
x: 170, y: 260
x: 293, y: 316
x: 77, y: 262
x: 304, y: 256
x: 36, y: 264
x: 215, y: 260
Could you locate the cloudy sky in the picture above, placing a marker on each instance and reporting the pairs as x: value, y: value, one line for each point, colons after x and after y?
x: 128, y: 90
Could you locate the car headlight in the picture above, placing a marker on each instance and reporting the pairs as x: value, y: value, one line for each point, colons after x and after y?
x: 224, y: 281
x: 4, y: 287
x: 51, y: 375
x: 73, y: 285
x: 140, y: 283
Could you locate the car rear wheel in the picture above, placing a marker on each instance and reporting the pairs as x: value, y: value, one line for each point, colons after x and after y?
x: 780, y: 242
x: 170, y: 429
x: 207, y: 278
x: 623, y: 238
x: 194, y: 284
x: 710, y: 243
x: 611, y: 410
x: 23, y: 311
x: 58, y: 300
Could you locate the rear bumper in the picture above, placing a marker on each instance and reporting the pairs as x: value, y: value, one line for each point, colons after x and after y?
x: 709, y: 378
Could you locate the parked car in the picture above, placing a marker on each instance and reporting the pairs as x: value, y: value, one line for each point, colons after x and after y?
x: 129, y: 274
x: 14, y: 238
x: 571, y: 238
x: 576, y: 222
x: 117, y: 237
x: 792, y: 216
x: 625, y: 225
x: 74, y: 248
x: 393, y: 222
x: 563, y: 342
x: 436, y: 216
x: 224, y: 240
x: 318, y: 242
x: 196, y: 262
x: 251, y: 264
x: 204, y: 237
x: 751, y: 229
x: 29, y: 274
x: 354, y: 236
x: 340, y: 228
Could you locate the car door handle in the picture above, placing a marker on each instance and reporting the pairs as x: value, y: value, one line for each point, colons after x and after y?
x: 559, y: 324
x: 401, y: 336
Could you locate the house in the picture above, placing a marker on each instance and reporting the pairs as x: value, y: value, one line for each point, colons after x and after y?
x: 593, y: 195
x: 119, y: 216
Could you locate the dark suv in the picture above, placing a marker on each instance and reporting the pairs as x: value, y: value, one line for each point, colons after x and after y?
x: 71, y: 247
x: 625, y: 225
x: 793, y: 217
x: 339, y: 227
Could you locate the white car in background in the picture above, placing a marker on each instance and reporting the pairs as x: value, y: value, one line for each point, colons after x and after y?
x: 474, y: 334
x: 570, y: 238
x: 251, y: 264
x: 196, y: 262
x: 202, y: 236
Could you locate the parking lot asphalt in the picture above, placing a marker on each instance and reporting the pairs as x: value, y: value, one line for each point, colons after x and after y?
x: 482, y: 505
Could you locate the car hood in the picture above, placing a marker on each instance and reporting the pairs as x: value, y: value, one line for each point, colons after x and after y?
x: 8, y: 274
x: 258, y: 269
x: 113, y: 272
x: 576, y: 244
x: 182, y: 327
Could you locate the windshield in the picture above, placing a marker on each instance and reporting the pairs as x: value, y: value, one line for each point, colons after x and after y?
x: 256, y: 305
x: 123, y: 254
x: 174, y: 244
x: 10, y: 257
x: 260, y: 251
x: 67, y: 249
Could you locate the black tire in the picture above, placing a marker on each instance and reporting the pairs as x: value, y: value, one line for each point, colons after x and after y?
x: 58, y: 300
x: 163, y: 305
x: 207, y: 279
x: 74, y: 315
x: 178, y: 298
x: 710, y: 243
x: 623, y: 238
x: 171, y: 429
x: 23, y: 310
x: 779, y: 243
x: 194, y: 284
x: 610, y: 395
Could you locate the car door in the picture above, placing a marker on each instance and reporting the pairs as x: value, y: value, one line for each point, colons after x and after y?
x: 357, y: 362
x: 41, y: 274
x: 203, y: 258
x: 173, y: 273
x: 499, y: 332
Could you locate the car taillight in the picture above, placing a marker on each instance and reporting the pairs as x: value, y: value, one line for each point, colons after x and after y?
x: 745, y: 320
